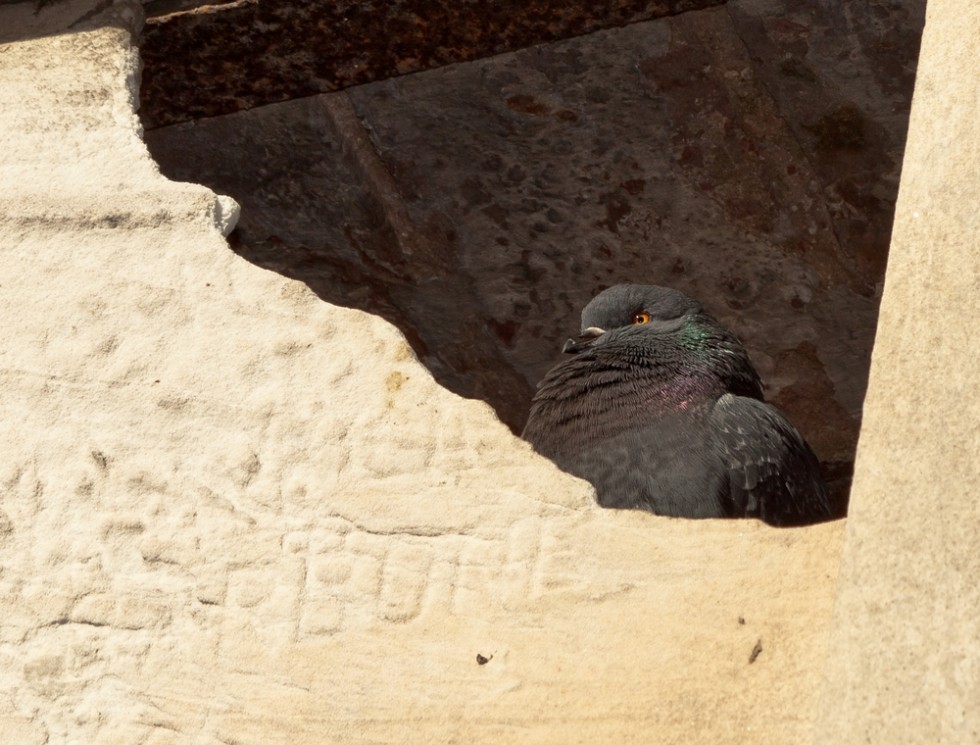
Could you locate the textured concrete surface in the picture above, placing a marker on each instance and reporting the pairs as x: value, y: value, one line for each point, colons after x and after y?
x: 904, y: 665
x: 224, y: 57
x: 748, y: 155
x: 231, y: 511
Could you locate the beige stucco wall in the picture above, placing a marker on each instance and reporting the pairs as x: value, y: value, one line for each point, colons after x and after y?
x: 904, y: 662
x: 232, y: 512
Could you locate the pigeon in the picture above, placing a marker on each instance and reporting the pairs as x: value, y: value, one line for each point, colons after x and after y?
x: 660, y: 408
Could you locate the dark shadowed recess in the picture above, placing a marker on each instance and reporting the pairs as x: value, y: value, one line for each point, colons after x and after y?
x: 748, y: 155
x: 205, y: 58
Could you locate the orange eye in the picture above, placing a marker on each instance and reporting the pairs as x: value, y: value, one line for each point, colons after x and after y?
x: 639, y: 318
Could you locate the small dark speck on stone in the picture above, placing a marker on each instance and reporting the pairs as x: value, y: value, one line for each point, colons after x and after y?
x: 100, y: 459
x: 756, y: 651
x: 481, y: 660
x: 840, y: 129
x: 741, y: 621
x: 796, y: 68
x: 633, y: 186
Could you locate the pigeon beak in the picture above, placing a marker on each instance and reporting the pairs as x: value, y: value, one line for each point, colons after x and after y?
x: 585, y: 340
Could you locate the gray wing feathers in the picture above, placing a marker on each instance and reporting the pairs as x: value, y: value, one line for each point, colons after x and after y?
x: 772, y: 472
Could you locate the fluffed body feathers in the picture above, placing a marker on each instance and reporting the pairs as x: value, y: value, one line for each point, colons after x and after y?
x: 661, y: 409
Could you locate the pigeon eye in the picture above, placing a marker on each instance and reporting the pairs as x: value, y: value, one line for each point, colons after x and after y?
x: 639, y: 318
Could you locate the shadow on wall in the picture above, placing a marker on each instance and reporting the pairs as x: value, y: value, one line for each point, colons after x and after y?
x: 749, y: 159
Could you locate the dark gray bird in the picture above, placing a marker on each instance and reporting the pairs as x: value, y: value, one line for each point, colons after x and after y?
x: 660, y: 408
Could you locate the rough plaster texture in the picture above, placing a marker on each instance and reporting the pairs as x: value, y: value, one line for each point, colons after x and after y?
x: 232, y: 512
x: 905, y: 658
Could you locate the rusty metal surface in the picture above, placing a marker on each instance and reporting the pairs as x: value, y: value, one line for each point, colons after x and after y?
x: 219, y: 58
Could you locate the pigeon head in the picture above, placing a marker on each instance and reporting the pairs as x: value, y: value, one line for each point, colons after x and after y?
x: 635, y: 312
x: 646, y: 327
